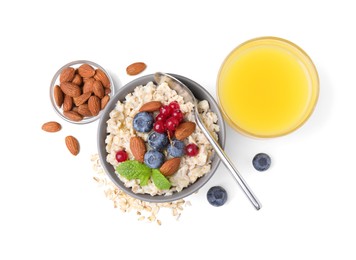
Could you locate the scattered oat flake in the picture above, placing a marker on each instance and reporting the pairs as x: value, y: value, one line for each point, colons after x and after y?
x: 126, y: 203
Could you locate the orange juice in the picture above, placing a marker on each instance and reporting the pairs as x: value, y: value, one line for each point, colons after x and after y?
x: 267, y: 87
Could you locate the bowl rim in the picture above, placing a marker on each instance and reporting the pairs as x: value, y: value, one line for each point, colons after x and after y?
x: 58, y: 110
x: 108, y: 168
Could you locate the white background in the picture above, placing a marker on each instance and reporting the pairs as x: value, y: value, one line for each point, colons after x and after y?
x: 52, y: 209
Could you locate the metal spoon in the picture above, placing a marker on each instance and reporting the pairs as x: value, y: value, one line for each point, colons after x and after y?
x: 188, y: 96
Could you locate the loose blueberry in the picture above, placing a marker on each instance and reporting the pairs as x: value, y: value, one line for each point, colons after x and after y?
x: 176, y: 148
x: 143, y: 122
x: 217, y: 196
x: 154, y: 159
x: 261, y: 162
x: 157, y: 141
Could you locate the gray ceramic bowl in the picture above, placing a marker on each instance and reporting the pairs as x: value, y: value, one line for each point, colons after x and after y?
x: 201, y: 94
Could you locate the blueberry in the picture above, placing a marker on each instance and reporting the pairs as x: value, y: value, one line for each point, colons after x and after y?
x: 143, y: 122
x: 217, y: 196
x: 157, y: 141
x: 154, y: 159
x: 176, y: 148
x: 261, y: 162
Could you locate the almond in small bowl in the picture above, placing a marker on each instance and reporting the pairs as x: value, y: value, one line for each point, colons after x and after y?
x: 80, y: 90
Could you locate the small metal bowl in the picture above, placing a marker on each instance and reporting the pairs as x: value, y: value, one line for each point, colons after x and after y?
x: 55, y: 81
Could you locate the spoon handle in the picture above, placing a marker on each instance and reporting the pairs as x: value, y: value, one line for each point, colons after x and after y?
x: 225, y: 159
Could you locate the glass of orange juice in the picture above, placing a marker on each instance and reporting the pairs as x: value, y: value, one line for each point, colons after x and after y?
x: 267, y: 87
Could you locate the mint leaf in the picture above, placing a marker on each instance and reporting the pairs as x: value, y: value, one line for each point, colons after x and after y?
x: 160, y: 180
x: 134, y: 170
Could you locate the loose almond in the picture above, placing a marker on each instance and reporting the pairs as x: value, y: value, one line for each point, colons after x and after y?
x: 70, y: 89
x: 86, y: 71
x: 58, y: 95
x: 84, y: 110
x: 98, y: 89
x: 104, y: 101
x: 67, y: 74
x: 100, y: 75
x: 138, y: 148
x: 170, y: 166
x: 72, y: 115
x: 82, y: 98
x: 135, y: 68
x: 184, y: 130
x: 72, y: 145
x: 67, y: 103
x: 94, y: 105
x: 51, y: 127
x: 151, y: 106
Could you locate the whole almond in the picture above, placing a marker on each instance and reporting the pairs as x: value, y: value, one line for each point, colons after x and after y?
x: 86, y: 71
x: 72, y: 145
x: 170, y: 166
x: 135, y: 68
x: 82, y: 98
x: 67, y: 74
x: 100, y: 75
x: 67, y: 103
x: 184, y: 130
x: 72, y: 115
x: 94, y: 105
x: 77, y: 80
x: 84, y: 110
x: 70, y: 89
x: 104, y: 101
x: 58, y: 95
x: 151, y: 106
x: 51, y: 127
x: 98, y: 89
x: 138, y: 148
x: 88, y: 85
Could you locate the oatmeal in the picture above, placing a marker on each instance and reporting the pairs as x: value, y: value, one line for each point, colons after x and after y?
x: 121, y: 128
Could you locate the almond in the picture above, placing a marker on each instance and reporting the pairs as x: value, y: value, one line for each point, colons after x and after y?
x: 75, y: 109
x: 107, y: 91
x: 84, y: 110
x: 135, y: 68
x: 170, y: 166
x: 70, y: 89
x: 138, y: 148
x: 77, y: 80
x: 98, y: 89
x: 184, y: 130
x: 72, y: 115
x: 94, y: 105
x: 58, y: 95
x: 86, y: 71
x: 100, y: 75
x: 151, y: 106
x: 82, y: 98
x: 72, y: 144
x: 88, y: 85
x: 104, y: 101
x: 67, y: 103
x: 67, y: 74
x: 51, y: 127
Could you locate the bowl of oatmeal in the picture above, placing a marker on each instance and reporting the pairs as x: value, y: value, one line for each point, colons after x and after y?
x: 148, y: 142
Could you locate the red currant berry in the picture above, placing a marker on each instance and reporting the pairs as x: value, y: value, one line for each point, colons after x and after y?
x: 178, y: 114
x: 165, y: 110
x: 159, y: 127
x: 174, y: 105
x: 161, y: 117
x: 172, y: 123
x: 191, y: 150
x: 121, y: 156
